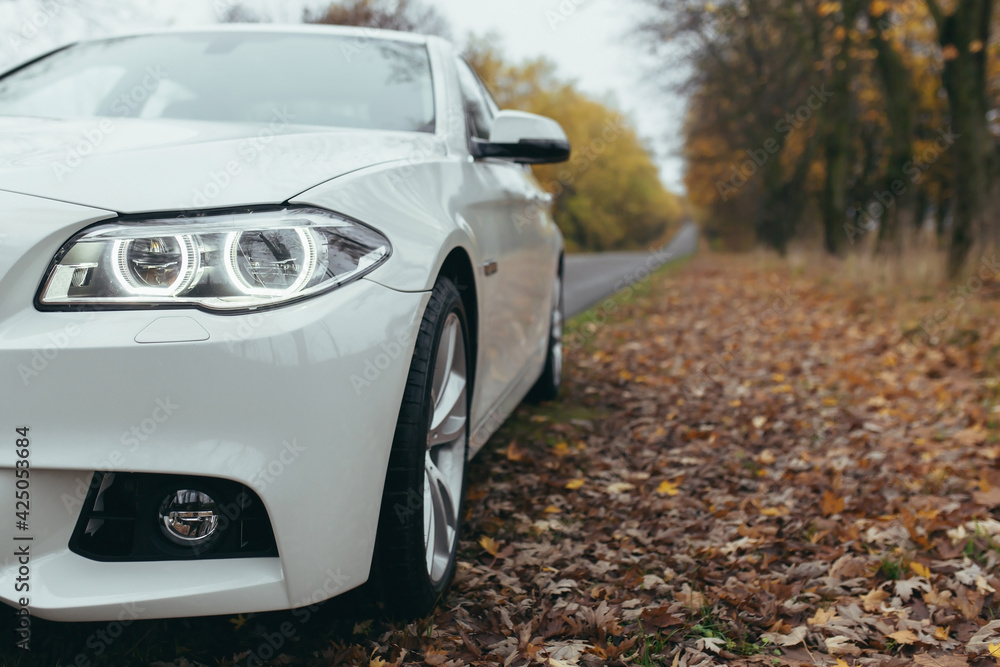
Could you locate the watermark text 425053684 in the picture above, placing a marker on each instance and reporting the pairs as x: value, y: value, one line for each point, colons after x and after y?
x: 21, y: 539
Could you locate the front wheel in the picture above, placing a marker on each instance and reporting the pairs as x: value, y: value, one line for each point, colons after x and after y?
x: 423, y: 500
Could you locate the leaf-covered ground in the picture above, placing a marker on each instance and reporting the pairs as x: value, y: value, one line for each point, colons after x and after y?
x: 749, y: 465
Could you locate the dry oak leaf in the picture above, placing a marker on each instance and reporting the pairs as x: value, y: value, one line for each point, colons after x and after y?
x: 831, y: 504
x: 841, y: 645
x: 988, y: 499
x: 982, y: 643
x: 904, y: 637
x: 796, y: 636
x: 873, y: 599
x: 822, y: 617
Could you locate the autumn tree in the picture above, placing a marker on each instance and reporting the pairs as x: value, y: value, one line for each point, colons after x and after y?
x: 405, y: 15
x: 752, y: 132
x: 609, y: 196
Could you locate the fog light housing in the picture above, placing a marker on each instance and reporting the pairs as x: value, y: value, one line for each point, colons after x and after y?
x: 189, y: 518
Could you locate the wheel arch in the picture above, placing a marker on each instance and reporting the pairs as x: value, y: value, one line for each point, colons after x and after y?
x: 457, y: 267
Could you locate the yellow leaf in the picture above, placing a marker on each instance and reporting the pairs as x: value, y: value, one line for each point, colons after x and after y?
x: 574, y: 484
x: 774, y: 511
x: 778, y: 377
x: 920, y: 570
x: 782, y: 389
x: 377, y: 662
x: 490, y: 545
x: 994, y: 650
x: 668, y: 488
x: 561, y: 449
x: 552, y: 509
x: 830, y: 402
x: 238, y: 622
x: 841, y: 663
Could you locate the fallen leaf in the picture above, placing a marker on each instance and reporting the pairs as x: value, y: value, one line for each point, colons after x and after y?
x: 668, y: 488
x: 574, y: 484
x: 489, y: 545
x: 831, y: 504
x: 515, y: 453
x: 619, y: 487
x: 904, y: 637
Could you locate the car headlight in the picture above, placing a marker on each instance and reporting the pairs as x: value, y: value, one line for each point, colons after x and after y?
x: 216, y: 261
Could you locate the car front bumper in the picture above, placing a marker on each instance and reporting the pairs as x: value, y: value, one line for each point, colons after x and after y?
x: 298, y: 403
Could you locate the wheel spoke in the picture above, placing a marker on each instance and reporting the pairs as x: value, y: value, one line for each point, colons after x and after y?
x: 444, y: 459
x: 448, y: 420
x: 440, y: 534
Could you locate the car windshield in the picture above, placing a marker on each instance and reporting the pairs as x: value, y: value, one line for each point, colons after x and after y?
x: 304, y: 79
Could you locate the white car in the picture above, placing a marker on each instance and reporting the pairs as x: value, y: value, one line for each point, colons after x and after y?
x: 264, y: 291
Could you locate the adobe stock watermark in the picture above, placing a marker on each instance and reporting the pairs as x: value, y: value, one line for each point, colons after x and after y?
x: 374, y: 367
x: 249, y: 150
x: 33, y: 24
x: 624, y: 289
x: 275, y: 468
x: 712, y: 373
x: 122, y: 107
x: 131, y: 440
x: 45, y: 355
x: 101, y: 640
x: 584, y: 158
x: 756, y: 158
x: 272, y: 643
x: 868, y: 219
x: 562, y: 12
x: 939, y: 326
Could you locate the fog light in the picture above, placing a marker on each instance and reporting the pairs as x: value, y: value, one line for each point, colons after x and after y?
x: 189, y: 518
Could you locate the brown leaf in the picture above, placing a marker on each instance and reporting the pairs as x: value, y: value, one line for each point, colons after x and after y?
x: 831, y: 504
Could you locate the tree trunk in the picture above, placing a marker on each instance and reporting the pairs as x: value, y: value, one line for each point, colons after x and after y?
x: 900, y: 102
x: 964, y: 35
x: 837, y: 141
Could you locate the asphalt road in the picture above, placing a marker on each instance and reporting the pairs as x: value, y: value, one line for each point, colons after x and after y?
x: 592, y: 277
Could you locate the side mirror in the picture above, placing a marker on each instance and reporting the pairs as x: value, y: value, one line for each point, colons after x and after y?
x: 525, y: 138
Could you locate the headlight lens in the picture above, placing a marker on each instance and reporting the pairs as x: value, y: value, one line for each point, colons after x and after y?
x: 222, y: 262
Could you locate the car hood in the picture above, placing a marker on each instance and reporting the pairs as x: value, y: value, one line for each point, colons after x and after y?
x: 138, y: 165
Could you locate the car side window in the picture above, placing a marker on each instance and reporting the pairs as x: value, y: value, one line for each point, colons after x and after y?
x: 478, y: 111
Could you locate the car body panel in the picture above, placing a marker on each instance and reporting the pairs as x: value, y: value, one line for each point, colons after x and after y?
x: 168, y: 165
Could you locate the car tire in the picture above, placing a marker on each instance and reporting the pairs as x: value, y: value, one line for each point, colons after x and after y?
x: 547, y: 386
x: 423, y: 501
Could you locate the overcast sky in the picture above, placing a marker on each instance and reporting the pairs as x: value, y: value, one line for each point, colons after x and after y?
x: 592, y: 41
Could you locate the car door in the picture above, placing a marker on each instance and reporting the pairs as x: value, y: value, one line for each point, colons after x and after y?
x: 497, y: 195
